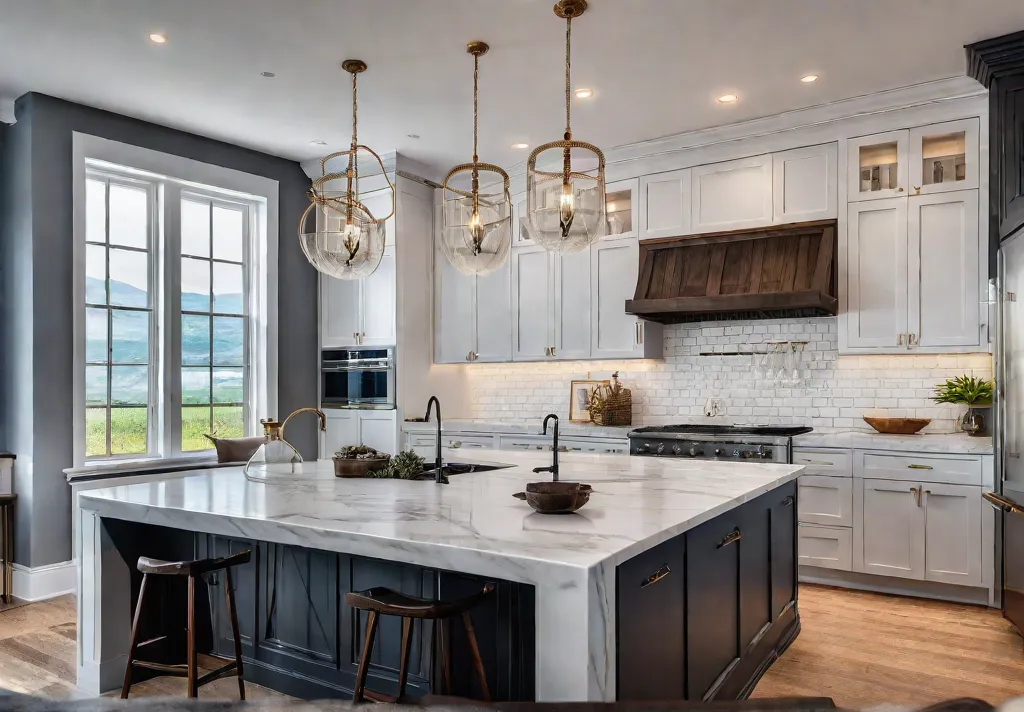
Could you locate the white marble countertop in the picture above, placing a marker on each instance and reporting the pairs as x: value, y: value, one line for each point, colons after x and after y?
x: 637, y: 503
x: 529, y: 428
x: 951, y: 443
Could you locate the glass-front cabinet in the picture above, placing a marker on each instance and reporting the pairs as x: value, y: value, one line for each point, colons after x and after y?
x: 944, y: 157
x: 621, y: 209
x: 918, y: 161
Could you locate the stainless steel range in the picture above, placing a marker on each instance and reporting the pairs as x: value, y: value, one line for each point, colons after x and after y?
x: 716, y: 442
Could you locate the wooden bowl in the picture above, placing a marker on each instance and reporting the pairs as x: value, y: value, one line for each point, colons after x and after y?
x: 555, y: 497
x: 352, y: 467
x: 897, y: 426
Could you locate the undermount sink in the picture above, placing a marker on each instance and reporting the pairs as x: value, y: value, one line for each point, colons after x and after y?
x: 462, y: 468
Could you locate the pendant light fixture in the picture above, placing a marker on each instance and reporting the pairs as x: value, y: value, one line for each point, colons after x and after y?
x: 338, y: 234
x: 565, y: 208
x: 477, y: 227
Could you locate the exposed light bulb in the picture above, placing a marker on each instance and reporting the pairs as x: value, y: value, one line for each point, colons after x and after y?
x: 566, y: 208
x: 476, y: 230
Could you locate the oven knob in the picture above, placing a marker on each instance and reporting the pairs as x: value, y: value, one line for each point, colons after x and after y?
x: 719, y: 452
x: 661, y: 448
x: 736, y: 452
x: 647, y: 446
x: 639, y: 450
x: 695, y: 451
x: 747, y: 454
x: 675, y: 449
x: 766, y: 453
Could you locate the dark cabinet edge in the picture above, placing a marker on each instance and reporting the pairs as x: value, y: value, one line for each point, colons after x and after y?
x: 989, y: 59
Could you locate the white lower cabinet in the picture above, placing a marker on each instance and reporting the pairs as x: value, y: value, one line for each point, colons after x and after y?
x: 375, y: 428
x: 952, y: 533
x: 825, y: 500
x: 824, y: 547
x: 891, y: 541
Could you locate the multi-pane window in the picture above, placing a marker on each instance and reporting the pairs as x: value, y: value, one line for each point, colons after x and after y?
x: 170, y: 326
x: 214, y: 236
x: 118, y: 316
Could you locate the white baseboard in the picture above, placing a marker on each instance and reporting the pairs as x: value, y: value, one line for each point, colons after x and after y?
x: 42, y: 582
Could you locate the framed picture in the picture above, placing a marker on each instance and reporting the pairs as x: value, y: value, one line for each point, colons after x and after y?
x: 580, y: 393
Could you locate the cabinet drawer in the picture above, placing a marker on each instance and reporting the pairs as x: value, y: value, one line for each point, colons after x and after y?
x: 524, y: 442
x: 826, y: 547
x: 953, y: 470
x: 838, y: 463
x: 826, y: 500
x: 452, y: 441
x: 595, y: 446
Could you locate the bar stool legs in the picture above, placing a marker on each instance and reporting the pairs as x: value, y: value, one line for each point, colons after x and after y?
x: 478, y: 662
x: 229, y: 596
x: 364, y: 661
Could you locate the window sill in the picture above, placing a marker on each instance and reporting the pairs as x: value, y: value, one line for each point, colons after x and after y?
x: 148, y: 466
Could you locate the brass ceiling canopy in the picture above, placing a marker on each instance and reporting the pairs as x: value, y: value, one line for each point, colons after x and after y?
x: 339, y: 235
x: 565, y: 209
x: 476, y: 227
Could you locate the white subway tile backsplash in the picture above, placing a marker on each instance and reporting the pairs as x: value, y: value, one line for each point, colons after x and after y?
x: 836, y: 392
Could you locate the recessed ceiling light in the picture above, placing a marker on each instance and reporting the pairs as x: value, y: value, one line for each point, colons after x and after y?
x: 413, y: 135
x: 317, y: 142
x: 520, y: 145
x: 268, y: 75
x: 727, y: 98
x: 158, y: 37
x: 584, y: 93
x: 809, y: 78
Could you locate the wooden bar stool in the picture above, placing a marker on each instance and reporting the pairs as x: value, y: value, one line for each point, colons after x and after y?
x: 7, y: 546
x: 189, y: 669
x: 384, y: 601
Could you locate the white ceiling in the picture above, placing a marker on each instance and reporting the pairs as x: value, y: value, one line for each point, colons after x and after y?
x: 656, y: 65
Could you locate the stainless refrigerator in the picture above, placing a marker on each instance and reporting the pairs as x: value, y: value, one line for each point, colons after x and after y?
x: 1009, y: 443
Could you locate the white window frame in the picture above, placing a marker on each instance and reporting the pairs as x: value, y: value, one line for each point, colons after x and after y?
x: 172, y: 176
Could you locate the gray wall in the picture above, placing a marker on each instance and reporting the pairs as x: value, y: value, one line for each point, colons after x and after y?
x: 36, y: 307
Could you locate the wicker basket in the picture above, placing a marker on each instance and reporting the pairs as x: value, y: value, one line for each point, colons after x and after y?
x: 612, y: 404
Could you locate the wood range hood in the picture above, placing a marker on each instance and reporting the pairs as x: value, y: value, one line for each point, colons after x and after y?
x: 780, y: 271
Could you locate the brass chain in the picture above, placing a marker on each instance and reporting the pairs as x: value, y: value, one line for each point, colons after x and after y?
x: 568, y: 40
x: 476, y: 74
x: 355, y: 107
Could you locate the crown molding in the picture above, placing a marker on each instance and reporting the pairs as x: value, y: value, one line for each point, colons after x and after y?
x: 992, y: 58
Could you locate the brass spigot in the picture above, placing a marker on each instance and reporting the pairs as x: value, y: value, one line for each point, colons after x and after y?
x: 275, y: 430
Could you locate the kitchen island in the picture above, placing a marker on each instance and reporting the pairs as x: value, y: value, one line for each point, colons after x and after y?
x: 677, y: 580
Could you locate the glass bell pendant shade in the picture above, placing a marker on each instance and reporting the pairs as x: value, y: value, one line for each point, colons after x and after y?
x: 339, y: 240
x: 477, y: 230
x: 565, y: 209
x: 276, y: 459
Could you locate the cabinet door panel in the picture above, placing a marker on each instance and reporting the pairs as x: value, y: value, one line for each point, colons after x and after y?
x: 733, y: 195
x: 614, y: 271
x: 531, y: 303
x: 342, y: 429
x: 302, y: 607
x: 826, y: 500
x: 943, y: 262
x: 783, y: 547
x: 952, y: 145
x: 953, y: 534
x: 871, y: 161
x: 756, y: 567
x: 877, y: 268
x: 892, y: 535
x: 377, y: 429
x: 651, y: 599
x: 1009, y: 93
x: 665, y: 204
x: 339, y: 311
x: 825, y: 547
x: 805, y: 184
x: 454, y: 320
x: 378, y: 302
x: 572, y: 305
x: 712, y: 609
x: 494, y: 315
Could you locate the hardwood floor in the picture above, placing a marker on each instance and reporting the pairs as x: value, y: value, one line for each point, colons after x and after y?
x: 858, y: 648
x: 865, y: 649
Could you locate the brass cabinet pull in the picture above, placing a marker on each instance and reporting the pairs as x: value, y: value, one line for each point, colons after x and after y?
x: 788, y: 501
x: 552, y: 351
x: 639, y: 333
x: 911, y: 340
x: 1000, y: 502
x: 899, y: 339
x: 899, y: 190
x: 920, y: 467
x: 917, y: 495
x: 658, y: 575
x: 457, y: 443
x: 730, y: 538
x: 547, y: 350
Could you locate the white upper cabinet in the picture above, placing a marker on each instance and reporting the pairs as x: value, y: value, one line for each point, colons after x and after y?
x: 493, y: 317
x: 944, y: 157
x: 572, y: 306
x: 734, y: 195
x: 943, y: 250
x: 665, y: 204
x: 804, y: 184
x: 613, y: 332
x: 340, y: 312
x: 377, y: 303
x: 532, y: 304
x: 877, y: 268
x: 877, y: 166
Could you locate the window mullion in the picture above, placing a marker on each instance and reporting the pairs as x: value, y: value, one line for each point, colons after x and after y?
x: 171, y: 345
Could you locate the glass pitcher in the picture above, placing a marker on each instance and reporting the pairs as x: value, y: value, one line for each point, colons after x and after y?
x: 277, y: 458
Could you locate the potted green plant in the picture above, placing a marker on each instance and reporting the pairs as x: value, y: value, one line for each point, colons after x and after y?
x: 975, y: 393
